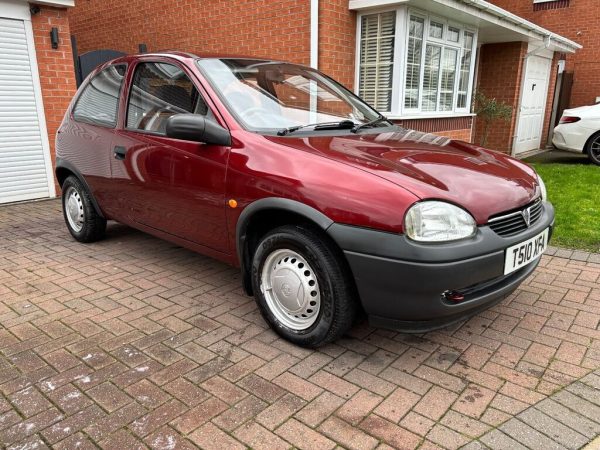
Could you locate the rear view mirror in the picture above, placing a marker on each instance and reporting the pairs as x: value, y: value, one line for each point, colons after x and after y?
x: 197, y: 128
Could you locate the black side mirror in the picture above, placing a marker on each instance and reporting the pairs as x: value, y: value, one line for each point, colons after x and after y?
x: 197, y: 128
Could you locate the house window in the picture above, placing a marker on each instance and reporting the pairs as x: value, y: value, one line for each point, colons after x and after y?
x: 377, y: 59
x: 435, y: 58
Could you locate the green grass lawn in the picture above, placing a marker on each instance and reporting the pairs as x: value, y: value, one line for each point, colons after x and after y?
x: 574, y: 189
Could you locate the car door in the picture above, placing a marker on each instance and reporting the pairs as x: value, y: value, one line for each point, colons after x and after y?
x: 86, y: 141
x: 174, y: 186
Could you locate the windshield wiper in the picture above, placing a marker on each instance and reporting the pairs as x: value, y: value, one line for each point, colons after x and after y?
x: 380, y: 118
x: 318, y: 126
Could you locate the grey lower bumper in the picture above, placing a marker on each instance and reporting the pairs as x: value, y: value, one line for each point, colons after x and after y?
x: 402, y: 284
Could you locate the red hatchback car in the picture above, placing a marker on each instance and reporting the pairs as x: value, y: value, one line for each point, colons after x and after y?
x: 327, y: 207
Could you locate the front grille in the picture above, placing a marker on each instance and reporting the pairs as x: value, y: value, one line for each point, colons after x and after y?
x: 507, y: 224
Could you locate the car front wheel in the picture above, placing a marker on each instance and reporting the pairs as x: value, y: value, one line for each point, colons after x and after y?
x: 302, y: 286
x: 82, y: 220
x: 593, y: 149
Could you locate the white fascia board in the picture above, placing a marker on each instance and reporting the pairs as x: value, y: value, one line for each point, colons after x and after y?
x: 490, y: 9
x: 357, y: 5
x: 487, y: 12
x: 56, y: 3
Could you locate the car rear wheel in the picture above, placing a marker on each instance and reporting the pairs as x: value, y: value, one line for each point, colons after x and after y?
x: 302, y: 286
x: 593, y: 149
x: 82, y: 220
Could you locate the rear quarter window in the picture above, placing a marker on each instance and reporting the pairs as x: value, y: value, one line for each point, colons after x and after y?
x: 98, y: 103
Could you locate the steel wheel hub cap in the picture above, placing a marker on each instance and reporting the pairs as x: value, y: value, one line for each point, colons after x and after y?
x: 74, y: 209
x: 291, y: 290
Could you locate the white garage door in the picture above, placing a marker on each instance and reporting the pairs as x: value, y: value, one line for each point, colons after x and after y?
x: 24, y: 158
x: 533, y: 104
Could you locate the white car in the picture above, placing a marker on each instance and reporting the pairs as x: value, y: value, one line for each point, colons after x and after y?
x: 579, y: 131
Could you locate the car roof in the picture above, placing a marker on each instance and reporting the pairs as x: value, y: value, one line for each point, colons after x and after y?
x: 181, y: 55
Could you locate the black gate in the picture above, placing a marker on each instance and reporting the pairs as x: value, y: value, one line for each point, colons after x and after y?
x: 89, y: 61
x: 86, y: 63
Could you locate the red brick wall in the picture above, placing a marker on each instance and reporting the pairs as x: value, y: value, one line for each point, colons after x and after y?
x: 337, y: 41
x: 260, y: 28
x: 57, y: 75
x: 453, y: 127
x: 500, y: 74
x: 580, y: 22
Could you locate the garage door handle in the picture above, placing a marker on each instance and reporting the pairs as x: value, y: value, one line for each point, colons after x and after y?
x: 120, y: 152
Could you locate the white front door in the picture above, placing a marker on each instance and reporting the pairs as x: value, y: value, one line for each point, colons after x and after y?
x: 25, y: 166
x: 533, y: 104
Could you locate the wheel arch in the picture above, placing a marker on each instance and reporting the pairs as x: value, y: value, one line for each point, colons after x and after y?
x: 586, y: 147
x: 264, y: 215
x: 64, y: 169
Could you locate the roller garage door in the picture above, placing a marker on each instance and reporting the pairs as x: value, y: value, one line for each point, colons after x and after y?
x: 25, y: 166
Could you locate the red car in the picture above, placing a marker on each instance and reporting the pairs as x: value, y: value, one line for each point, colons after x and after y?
x: 327, y: 207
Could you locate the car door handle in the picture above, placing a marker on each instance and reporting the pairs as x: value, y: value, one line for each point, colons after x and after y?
x: 120, y: 152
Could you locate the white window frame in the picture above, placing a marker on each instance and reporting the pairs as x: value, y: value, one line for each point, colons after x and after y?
x: 403, y: 14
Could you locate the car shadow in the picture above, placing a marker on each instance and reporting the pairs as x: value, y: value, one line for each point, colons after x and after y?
x: 559, y: 157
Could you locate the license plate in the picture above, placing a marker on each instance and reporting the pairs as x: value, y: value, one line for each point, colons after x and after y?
x: 522, y: 254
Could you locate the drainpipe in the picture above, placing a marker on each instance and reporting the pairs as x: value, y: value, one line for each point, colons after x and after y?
x: 314, y: 56
x: 314, y: 34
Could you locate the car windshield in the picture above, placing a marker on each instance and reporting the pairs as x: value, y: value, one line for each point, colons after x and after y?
x: 267, y: 96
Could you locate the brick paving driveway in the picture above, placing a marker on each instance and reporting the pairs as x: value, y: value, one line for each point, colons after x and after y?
x: 134, y: 342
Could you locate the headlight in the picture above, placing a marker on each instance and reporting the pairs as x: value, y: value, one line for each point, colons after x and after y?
x: 435, y: 221
x: 543, y: 189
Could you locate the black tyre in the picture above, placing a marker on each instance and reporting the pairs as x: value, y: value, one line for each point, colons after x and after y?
x: 303, y: 287
x: 82, y: 220
x: 593, y: 149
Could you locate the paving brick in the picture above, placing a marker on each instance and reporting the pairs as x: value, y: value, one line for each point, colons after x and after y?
x: 168, y: 439
x: 247, y: 408
x: 280, y: 411
x: 257, y: 437
x: 392, y: 434
x: 120, y: 440
x: 297, y: 386
x: 474, y: 400
x: 345, y: 434
x: 395, y: 406
x: 497, y: 440
x: 157, y: 418
x: 335, y: 384
x: 224, y: 390
x: 186, y: 392
x: 446, y: 437
x: 109, y: 396
x: 465, y: 425
x: 319, y: 409
x: 554, y: 429
x: 528, y: 436
x: 199, y: 415
x: 435, y: 403
x: 303, y: 437
x: 359, y: 406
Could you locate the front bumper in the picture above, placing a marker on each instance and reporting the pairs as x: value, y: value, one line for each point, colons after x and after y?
x: 402, y: 283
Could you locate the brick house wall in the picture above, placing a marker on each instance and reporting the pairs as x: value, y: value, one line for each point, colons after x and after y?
x: 57, y: 77
x: 260, y: 28
x: 500, y: 74
x: 578, y: 20
x: 337, y: 41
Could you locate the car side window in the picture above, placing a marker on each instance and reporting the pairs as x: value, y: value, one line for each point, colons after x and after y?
x: 98, y: 103
x: 158, y: 91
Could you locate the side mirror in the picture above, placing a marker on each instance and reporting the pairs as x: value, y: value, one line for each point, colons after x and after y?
x: 197, y: 128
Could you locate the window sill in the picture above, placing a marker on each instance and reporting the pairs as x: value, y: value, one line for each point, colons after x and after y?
x: 429, y: 116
